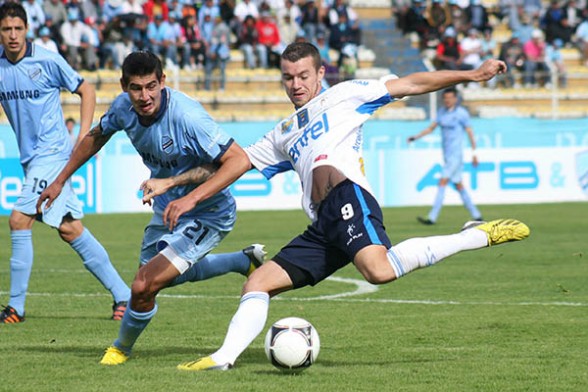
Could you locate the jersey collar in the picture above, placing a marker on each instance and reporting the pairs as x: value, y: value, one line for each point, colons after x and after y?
x: 28, y: 53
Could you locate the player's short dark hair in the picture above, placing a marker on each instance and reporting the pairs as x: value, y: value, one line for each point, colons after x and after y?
x: 14, y: 10
x: 450, y: 90
x: 299, y: 50
x: 141, y: 63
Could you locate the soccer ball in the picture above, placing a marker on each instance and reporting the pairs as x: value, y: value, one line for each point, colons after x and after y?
x: 292, y: 344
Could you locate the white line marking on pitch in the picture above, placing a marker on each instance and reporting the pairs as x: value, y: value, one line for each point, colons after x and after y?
x: 362, y: 287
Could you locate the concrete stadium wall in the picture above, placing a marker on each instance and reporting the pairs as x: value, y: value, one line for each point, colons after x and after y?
x: 521, y: 161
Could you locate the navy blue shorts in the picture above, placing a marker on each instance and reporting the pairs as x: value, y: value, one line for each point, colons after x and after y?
x: 348, y: 220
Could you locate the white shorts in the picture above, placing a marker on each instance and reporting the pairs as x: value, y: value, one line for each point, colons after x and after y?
x: 37, y: 178
x: 191, y: 240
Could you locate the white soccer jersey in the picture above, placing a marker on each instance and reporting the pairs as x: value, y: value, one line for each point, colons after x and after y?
x: 327, y: 131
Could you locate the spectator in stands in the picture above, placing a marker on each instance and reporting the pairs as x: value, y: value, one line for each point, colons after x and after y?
x: 573, y: 14
x: 244, y: 8
x: 218, y: 53
x: 117, y: 44
x: 35, y: 14
x: 291, y: 9
x: 471, y: 47
x: 132, y: 7
x: 288, y: 29
x: 175, y: 32
x: 535, y: 67
x: 55, y: 9
x: 91, y: 41
x: 269, y: 36
x: 554, y: 57
x: 70, y: 125
x: 227, y: 12
x: 339, y: 7
x: 525, y: 29
x: 72, y: 32
x: 457, y: 17
x: 209, y: 7
x: 162, y: 40
x: 344, y: 39
x: 513, y: 54
x: 310, y: 20
x: 477, y: 16
x: 582, y: 39
x: 90, y: 9
x: 399, y: 10
x: 152, y: 8
x: 44, y: 40
x: 555, y: 23
x: 194, y: 46
x: 449, y: 55
x: 253, y: 51
x: 416, y: 24
x: 111, y: 9
x: 438, y: 17
x: 532, y: 8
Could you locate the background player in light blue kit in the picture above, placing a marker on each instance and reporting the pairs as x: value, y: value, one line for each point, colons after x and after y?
x: 454, y: 121
x: 173, y: 134
x: 31, y: 79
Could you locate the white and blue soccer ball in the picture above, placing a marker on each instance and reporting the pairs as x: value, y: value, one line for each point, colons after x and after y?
x: 292, y: 344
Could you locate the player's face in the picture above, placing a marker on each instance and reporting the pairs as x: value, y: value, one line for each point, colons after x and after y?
x: 449, y: 100
x: 13, y: 33
x: 145, y: 94
x: 301, y: 80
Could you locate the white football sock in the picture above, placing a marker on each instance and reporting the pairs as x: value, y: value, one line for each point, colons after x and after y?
x: 422, y: 252
x: 247, y: 323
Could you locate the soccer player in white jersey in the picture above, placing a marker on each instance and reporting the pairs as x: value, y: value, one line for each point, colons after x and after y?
x: 322, y: 141
x: 454, y: 121
x: 31, y: 79
x: 173, y: 134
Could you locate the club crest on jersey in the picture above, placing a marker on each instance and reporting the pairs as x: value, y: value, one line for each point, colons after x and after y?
x: 287, y: 126
x: 167, y: 144
x: 35, y: 73
x: 302, y: 118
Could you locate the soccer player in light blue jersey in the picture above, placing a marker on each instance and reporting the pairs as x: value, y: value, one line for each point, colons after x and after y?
x: 321, y: 141
x: 31, y: 79
x: 454, y: 121
x: 173, y: 134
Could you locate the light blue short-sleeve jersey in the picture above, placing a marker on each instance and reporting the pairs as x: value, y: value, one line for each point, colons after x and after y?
x: 29, y: 94
x: 453, y: 124
x: 183, y: 137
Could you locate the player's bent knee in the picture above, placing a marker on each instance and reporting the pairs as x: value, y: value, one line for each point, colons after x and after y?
x: 378, y: 277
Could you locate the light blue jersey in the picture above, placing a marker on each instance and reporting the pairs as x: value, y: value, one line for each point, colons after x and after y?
x: 183, y: 137
x: 453, y: 124
x: 30, y: 96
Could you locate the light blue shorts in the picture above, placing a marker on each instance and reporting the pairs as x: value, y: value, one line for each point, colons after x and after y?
x: 191, y: 240
x: 453, y: 169
x: 37, y: 178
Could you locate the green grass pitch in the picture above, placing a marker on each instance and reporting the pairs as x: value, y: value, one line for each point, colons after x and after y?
x: 509, y: 318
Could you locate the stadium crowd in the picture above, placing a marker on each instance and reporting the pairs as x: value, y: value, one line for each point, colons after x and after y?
x: 191, y: 34
x: 459, y: 34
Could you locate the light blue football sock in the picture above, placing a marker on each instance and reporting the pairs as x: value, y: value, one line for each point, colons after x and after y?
x: 132, y: 325
x: 469, y: 205
x: 21, y: 264
x: 96, y: 261
x: 215, y: 265
x: 434, y: 213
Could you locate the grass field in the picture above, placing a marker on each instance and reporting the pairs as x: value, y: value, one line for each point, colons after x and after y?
x: 509, y: 318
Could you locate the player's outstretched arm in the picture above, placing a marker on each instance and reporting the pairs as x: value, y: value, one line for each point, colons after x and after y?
x: 87, y: 148
x: 426, y: 82
x: 158, y: 186
x: 424, y: 132
x: 233, y: 164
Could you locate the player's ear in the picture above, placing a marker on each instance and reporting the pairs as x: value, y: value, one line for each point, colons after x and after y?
x: 321, y: 73
x: 162, y: 81
x: 123, y: 85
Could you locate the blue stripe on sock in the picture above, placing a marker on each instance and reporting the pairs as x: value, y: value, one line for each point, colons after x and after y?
x: 396, y: 261
x: 366, y: 212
